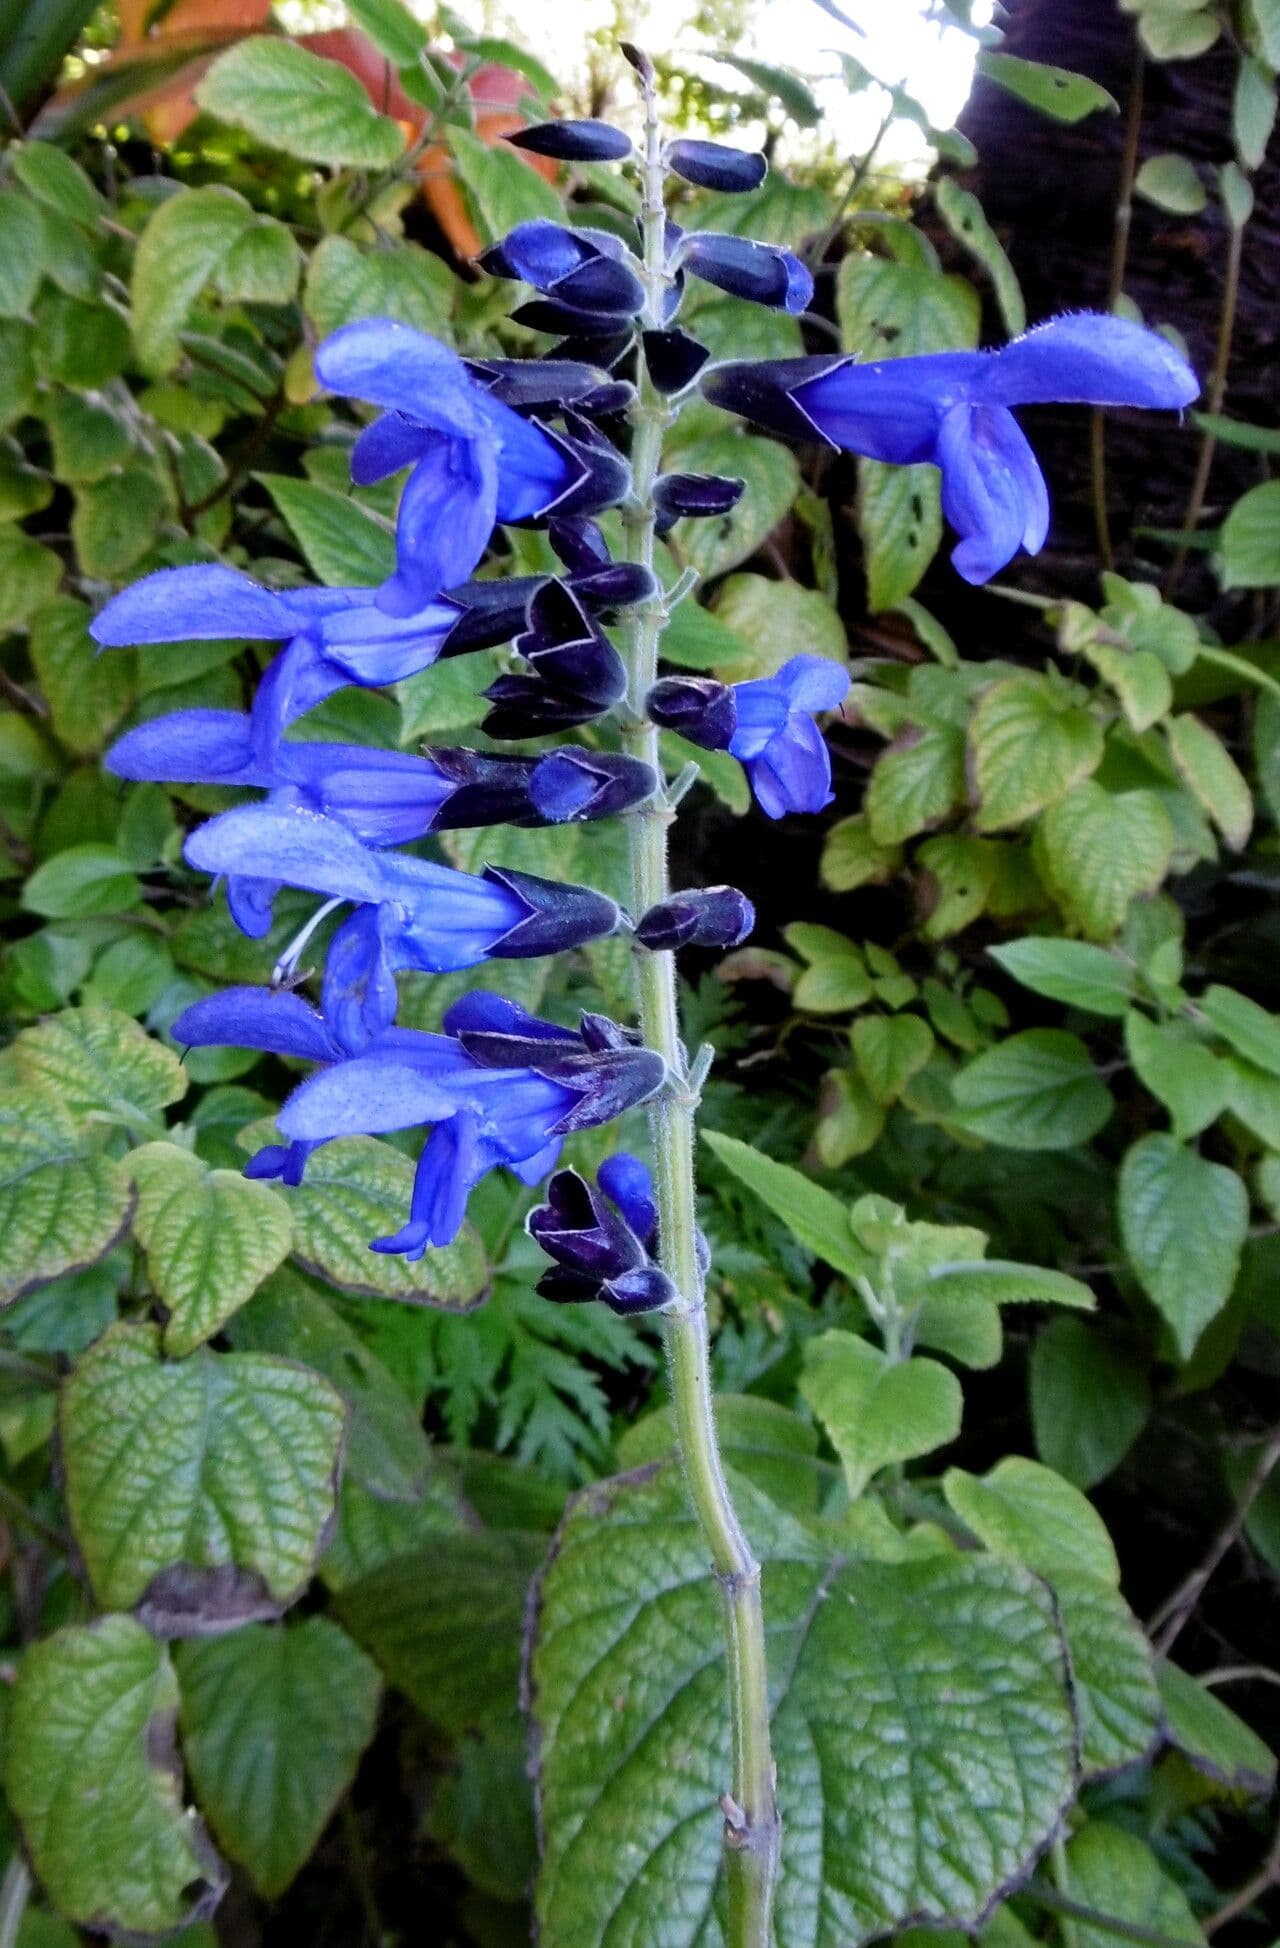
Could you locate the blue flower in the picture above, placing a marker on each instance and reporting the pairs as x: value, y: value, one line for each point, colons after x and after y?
x: 777, y: 742
x: 952, y: 409
x: 499, y: 1087
x: 475, y: 461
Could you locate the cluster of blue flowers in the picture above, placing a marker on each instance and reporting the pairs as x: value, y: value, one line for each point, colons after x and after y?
x: 493, y: 442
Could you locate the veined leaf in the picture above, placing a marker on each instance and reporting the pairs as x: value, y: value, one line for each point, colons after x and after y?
x: 1183, y: 1221
x: 1033, y: 1091
x: 291, y: 99
x: 818, y: 1219
x: 102, y: 1067
x: 876, y: 1411
x: 198, y: 1492
x: 93, y: 1776
x: 61, y: 1206
x: 343, y: 543
x: 274, y: 1718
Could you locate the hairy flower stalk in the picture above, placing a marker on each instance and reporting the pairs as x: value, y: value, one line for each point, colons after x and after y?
x: 752, y: 1826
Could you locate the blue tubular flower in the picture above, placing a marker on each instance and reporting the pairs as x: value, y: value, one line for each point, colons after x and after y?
x: 384, y: 797
x: 475, y: 461
x: 952, y: 409
x: 434, y: 918
x: 776, y: 740
x: 599, y: 1252
x: 575, y: 673
x: 485, y: 1110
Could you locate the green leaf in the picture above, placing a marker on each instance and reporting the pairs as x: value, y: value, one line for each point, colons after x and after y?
x: 60, y: 1208
x: 1183, y: 1221
x: 341, y: 542
x: 1249, y: 543
x: 1113, y: 1669
x: 849, y: 1118
x: 210, y: 1237
x: 1254, y: 1097
x: 851, y: 857
x: 274, y: 1718
x: 775, y: 620
x: 1249, y: 1029
x: 1139, y: 678
x: 95, y: 1780
x: 1090, y: 1400
x: 817, y: 1219
x: 1253, y: 110
x: 392, y: 29
x: 399, y: 281
x: 359, y: 1189
x: 289, y: 98
x: 1115, y: 1873
x: 1056, y: 92
x: 1212, y: 1737
x: 1101, y: 850
x: 445, y: 1624
x: 1026, y: 1511
x: 772, y: 479
x: 386, y: 1450
x: 835, y: 978
x: 1001, y: 1281
x: 262, y: 265
x: 89, y: 438
x: 29, y: 577
x: 101, y: 1066
x: 964, y: 216
x: 915, y: 783
x: 80, y: 881
x: 889, y: 1050
x: 871, y: 1662
x: 780, y: 84
x: 21, y: 254
x: 200, y: 1492
x: 1179, y: 1071
x: 179, y: 252
x: 1033, y: 1091
x: 772, y: 1447
x: 50, y: 175
x: 1172, y: 30
x: 1028, y: 744
x: 87, y: 693
x: 115, y: 521
x: 1070, y: 971
x: 500, y: 187
x: 888, y: 309
x: 900, y: 521
x: 1213, y: 777
x: 875, y: 1411
x: 1171, y: 183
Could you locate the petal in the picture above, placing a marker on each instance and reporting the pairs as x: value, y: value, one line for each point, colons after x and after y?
x: 793, y: 774
x: 813, y: 682
x: 762, y: 708
x: 384, y: 797
x: 295, y: 681
x: 535, y: 469
x: 386, y: 446
x: 193, y: 747
x: 454, y: 1158
x: 272, y: 1019
x: 1000, y: 434
x: 1089, y: 359
x: 369, y: 647
x: 292, y: 846
x: 365, y: 1095
x: 629, y: 1183
x: 198, y: 604
x: 981, y: 497
x: 392, y: 365
x: 446, y: 516
x: 891, y: 409
x: 359, y: 993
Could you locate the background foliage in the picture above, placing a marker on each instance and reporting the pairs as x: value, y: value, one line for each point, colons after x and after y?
x: 273, y: 1506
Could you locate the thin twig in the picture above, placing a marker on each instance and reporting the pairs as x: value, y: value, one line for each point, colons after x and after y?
x: 1167, y: 1623
x: 1115, y: 284
x: 1094, y: 1917
x: 15, y: 1892
x: 1214, y: 401
x: 1241, y: 1901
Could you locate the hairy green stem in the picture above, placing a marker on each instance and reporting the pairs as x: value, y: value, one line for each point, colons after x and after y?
x: 752, y: 1827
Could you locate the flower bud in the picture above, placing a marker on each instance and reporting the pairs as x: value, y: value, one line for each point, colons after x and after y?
x: 713, y: 916
x: 575, y: 141
x: 698, y: 707
x: 711, y: 165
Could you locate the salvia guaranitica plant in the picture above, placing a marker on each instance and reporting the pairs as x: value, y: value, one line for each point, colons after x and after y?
x: 555, y: 443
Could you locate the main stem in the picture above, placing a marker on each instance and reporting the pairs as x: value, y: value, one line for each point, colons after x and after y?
x: 752, y: 1827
